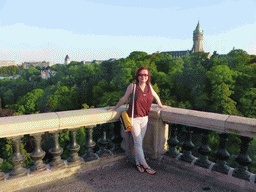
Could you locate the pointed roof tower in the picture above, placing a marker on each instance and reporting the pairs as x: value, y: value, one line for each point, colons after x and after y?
x: 198, y: 28
x: 67, y: 60
x: 198, y: 39
x: 67, y: 57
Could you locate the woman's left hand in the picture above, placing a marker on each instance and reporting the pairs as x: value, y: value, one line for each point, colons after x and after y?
x: 161, y: 106
x: 110, y: 109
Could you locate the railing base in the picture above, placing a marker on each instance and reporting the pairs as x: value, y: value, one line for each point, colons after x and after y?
x: 226, y: 180
x: 90, y: 156
x: 37, y: 178
x: 2, y: 176
x: 20, y: 173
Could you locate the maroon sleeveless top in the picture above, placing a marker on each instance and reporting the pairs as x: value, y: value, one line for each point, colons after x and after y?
x: 143, y: 102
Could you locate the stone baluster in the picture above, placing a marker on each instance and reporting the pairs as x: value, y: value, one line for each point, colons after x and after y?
x: 173, y: 142
x: 117, y: 139
x: 222, y: 155
x: 89, y: 144
x: 2, y: 175
x: 243, y: 160
x: 17, y: 159
x: 187, y: 147
x: 38, y: 154
x: 74, y: 159
x: 102, y: 142
x: 56, y: 151
x: 204, y: 150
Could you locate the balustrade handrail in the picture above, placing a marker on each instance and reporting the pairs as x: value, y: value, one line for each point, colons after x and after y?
x: 54, y: 121
x: 207, y: 120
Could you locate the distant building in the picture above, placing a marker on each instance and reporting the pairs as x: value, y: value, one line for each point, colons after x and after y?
x: 197, y: 44
x: 26, y: 65
x: 86, y: 62
x: 67, y: 60
x: 8, y: 63
x: 89, y: 62
x: 97, y: 61
x: 45, y: 74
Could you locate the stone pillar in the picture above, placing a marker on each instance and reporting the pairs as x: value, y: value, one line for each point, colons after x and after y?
x: 117, y: 139
x: 89, y: 144
x: 74, y: 148
x: 204, y: 150
x: 74, y: 159
x: 38, y: 154
x: 222, y: 155
x: 2, y: 175
x: 103, y: 142
x: 56, y: 151
x: 173, y: 142
x: 17, y: 159
x: 243, y: 159
x: 187, y: 147
x: 155, y: 141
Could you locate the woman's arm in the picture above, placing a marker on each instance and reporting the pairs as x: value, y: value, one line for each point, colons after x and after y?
x: 123, y: 99
x: 156, y: 98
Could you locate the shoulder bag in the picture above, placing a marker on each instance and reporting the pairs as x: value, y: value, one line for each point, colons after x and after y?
x: 124, y: 118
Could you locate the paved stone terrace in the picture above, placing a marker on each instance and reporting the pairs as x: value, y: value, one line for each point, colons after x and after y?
x: 125, y: 177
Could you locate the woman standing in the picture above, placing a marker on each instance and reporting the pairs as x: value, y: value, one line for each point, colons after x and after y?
x: 144, y: 95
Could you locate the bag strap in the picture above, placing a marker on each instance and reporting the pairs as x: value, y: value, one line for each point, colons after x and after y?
x: 134, y: 89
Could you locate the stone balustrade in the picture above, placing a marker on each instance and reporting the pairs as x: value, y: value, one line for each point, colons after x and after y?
x: 204, y: 122
x: 161, y: 138
x: 36, y: 125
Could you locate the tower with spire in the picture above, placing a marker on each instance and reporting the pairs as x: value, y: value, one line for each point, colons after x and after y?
x: 197, y: 44
x: 67, y: 60
x: 198, y: 39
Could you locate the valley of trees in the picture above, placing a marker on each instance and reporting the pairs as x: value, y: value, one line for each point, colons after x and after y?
x: 224, y: 85
x: 10, y: 70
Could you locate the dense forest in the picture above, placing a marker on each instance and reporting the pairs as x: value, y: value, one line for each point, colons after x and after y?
x: 10, y: 70
x: 220, y: 84
x: 224, y: 84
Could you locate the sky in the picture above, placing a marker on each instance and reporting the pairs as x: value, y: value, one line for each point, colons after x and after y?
x: 48, y: 30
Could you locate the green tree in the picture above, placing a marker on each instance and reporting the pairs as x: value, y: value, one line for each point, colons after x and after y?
x: 192, y: 77
x: 28, y: 103
x: 9, y: 97
x: 247, y: 104
x: 43, y: 100
x: 10, y: 70
x: 99, y: 90
x: 221, y: 74
x: 138, y: 55
x: 110, y: 98
x: 216, y: 60
x: 28, y: 73
x: 162, y: 61
x: 107, y: 69
x: 238, y: 58
x: 121, y: 78
x: 63, y: 99
x: 221, y: 101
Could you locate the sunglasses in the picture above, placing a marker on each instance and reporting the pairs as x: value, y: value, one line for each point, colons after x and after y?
x: 145, y: 75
